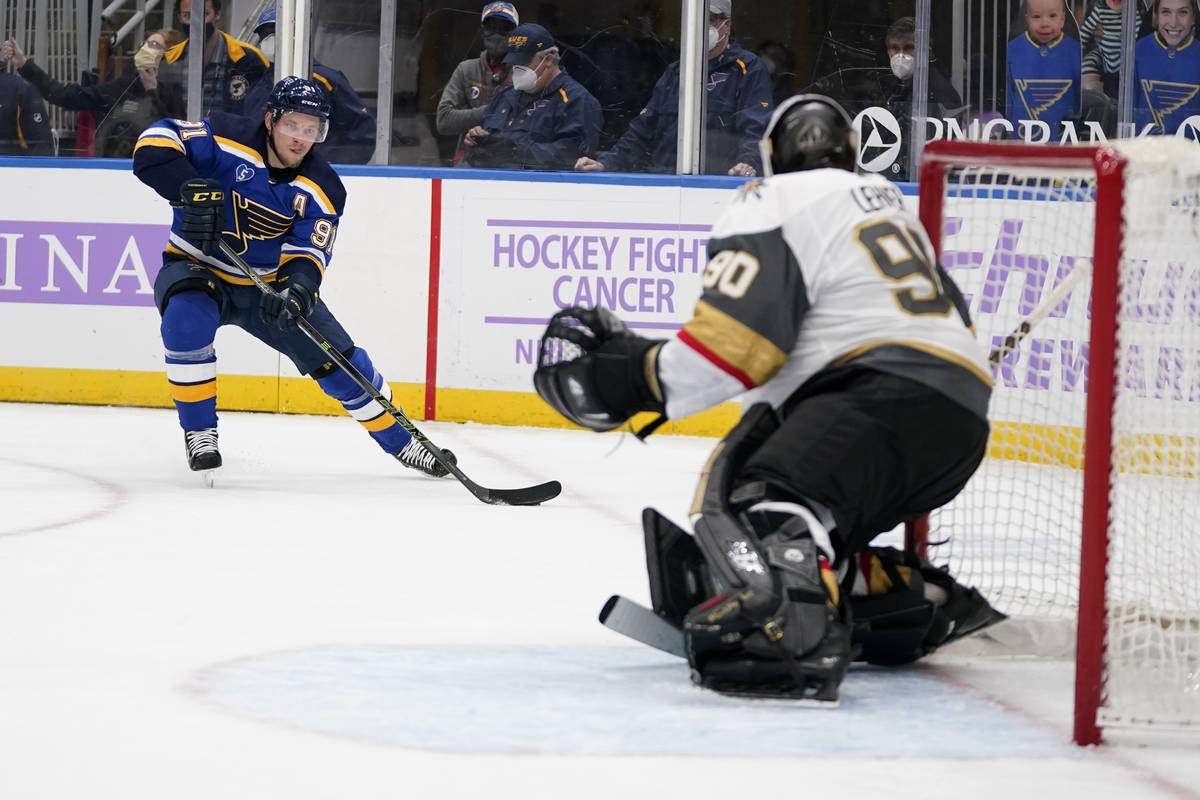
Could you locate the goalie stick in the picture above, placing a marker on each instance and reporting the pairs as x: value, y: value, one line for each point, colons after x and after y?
x: 639, y: 623
x: 526, y: 496
x: 1043, y: 310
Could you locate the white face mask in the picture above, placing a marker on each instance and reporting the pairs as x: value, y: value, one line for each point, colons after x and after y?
x: 714, y: 38
x: 903, y: 65
x: 523, y: 78
x: 267, y: 45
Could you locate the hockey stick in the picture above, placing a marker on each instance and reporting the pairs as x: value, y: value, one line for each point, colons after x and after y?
x: 641, y: 624
x: 1043, y: 310
x: 527, y: 496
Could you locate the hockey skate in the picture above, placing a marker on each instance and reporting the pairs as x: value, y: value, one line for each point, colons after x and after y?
x: 415, y: 456
x: 202, y: 453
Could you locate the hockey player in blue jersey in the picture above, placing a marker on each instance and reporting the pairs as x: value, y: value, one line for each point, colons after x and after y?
x: 1044, y: 70
x: 256, y: 185
x: 1167, y: 69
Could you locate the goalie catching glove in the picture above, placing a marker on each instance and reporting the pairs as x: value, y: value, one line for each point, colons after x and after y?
x: 594, y: 371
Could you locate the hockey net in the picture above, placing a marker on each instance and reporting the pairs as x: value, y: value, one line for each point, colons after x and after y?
x: 1094, y: 457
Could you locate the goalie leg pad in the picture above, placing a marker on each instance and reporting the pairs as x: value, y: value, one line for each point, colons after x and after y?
x: 679, y: 577
x: 779, y: 629
x: 905, y: 608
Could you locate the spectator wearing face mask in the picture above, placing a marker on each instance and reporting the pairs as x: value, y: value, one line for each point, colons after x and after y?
x: 739, y: 104
x: 897, y: 88
x: 477, y: 80
x: 545, y: 120
x: 122, y: 107
x: 351, y: 138
x: 231, y: 68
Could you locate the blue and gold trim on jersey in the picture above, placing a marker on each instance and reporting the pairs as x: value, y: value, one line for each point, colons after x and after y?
x: 240, y: 150
x: 226, y: 272
x: 309, y: 187
x: 160, y: 136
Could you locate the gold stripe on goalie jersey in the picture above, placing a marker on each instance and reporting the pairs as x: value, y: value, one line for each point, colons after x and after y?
x: 734, y: 343
x: 255, y: 221
x: 937, y: 352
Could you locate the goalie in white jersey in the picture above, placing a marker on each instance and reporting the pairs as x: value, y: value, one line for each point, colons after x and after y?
x: 866, y: 399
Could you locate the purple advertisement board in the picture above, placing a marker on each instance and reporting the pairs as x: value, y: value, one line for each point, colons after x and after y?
x: 80, y: 263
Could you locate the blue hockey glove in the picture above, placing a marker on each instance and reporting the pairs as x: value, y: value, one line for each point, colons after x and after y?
x: 295, y: 300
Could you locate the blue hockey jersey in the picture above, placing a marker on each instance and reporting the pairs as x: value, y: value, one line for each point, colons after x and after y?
x: 279, y: 221
x: 1166, y: 83
x: 1043, y: 81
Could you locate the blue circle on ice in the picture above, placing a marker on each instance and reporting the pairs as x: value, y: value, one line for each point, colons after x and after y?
x: 601, y: 701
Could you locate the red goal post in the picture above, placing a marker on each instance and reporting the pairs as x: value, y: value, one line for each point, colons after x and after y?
x: 1080, y: 449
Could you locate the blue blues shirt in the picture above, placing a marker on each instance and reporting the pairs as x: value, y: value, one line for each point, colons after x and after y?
x: 279, y: 221
x: 1044, y: 81
x: 739, y: 106
x: 547, y: 130
x: 1166, y: 83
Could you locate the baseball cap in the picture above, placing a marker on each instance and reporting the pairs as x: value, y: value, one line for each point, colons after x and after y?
x: 722, y: 7
x: 526, y: 41
x: 505, y: 10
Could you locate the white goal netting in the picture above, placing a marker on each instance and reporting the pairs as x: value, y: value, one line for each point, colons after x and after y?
x: 1011, y: 234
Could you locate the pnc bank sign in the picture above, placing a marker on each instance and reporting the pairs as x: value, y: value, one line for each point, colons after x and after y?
x: 881, y: 139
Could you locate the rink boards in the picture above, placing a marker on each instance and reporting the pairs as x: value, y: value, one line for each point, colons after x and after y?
x: 446, y: 280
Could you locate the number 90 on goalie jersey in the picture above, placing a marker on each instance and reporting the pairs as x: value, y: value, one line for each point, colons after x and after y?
x: 808, y: 271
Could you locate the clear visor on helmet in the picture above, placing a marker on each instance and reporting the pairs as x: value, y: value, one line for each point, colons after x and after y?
x: 304, y: 127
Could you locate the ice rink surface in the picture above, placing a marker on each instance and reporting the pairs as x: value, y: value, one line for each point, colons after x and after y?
x: 326, y: 624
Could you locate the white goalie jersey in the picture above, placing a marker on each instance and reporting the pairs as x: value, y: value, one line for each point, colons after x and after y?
x: 813, y: 270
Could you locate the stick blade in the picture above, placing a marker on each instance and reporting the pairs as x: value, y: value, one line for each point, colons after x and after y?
x: 527, y: 496
x: 639, y: 623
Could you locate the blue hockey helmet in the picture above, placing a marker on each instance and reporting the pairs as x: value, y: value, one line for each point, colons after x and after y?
x: 303, y: 97
x: 267, y: 17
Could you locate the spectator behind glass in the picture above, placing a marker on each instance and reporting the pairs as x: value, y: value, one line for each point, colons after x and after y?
x: 231, y: 68
x: 545, y: 120
x: 1166, y: 66
x: 1100, y: 34
x: 477, y: 81
x: 351, y: 137
x: 123, y: 107
x: 24, y: 123
x: 896, y: 88
x: 781, y: 66
x: 1044, y: 79
x: 739, y: 106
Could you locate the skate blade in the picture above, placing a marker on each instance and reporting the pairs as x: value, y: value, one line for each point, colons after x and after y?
x: 209, y: 476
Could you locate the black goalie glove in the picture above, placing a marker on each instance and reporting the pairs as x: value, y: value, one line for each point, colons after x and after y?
x: 594, y: 371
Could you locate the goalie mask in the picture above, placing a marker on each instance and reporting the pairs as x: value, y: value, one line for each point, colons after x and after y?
x: 808, y: 131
